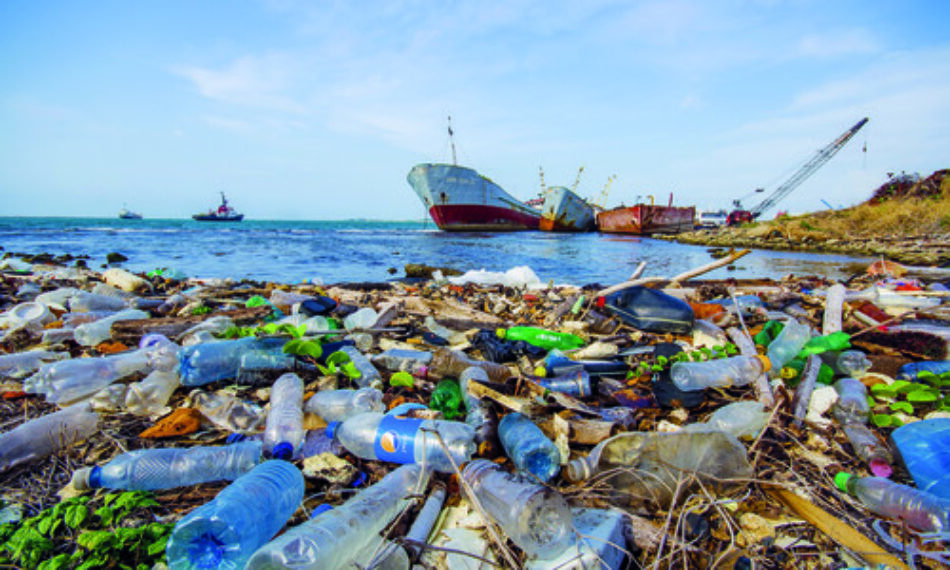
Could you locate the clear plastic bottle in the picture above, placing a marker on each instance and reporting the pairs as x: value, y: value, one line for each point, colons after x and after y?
x: 391, y: 438
x: 852, y: 404
x: 162, y: 353
x: 170, y: 467
x: 527, y: 446
x: 451, y: 363
x: 228, y: 412
x: 831, y: 320
x: 91, y: 334
x: 246, y: 514
x: 415, y: 362
x: 725, y: 372
x: 852, y: 363
x: 535, y: 517
x: 869, y: 449
x: 338, y: 537
x: 258, y: 367
x: 369, y: 375
x: 574, y: 383
x: 43, y: 436
x: 70, y: 380
x: 919, y: 510
x: 924, y: 449
x: 151, y: 394
x: 83, y: 301
x: 212, y: 361
x: 787, y: 344
x: 20, y: 364
x: 284, y: 431
x: 453, y: 337
x: 337, y: 405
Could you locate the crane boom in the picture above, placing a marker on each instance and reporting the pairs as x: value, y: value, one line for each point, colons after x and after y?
x: 809, y: 168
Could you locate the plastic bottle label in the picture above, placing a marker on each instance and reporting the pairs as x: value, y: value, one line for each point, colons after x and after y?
x: 396, y: 438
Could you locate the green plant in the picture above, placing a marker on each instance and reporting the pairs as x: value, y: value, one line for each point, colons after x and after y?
x: 890, y: 403
x: 702, y: 354
x: 201, y: 310
x: 116, y: 530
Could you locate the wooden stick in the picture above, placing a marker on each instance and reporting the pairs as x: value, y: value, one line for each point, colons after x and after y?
x: 707, y: 268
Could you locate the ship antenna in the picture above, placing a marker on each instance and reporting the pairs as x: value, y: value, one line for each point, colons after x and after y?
x: 452, y: 141
x: 541, y: 174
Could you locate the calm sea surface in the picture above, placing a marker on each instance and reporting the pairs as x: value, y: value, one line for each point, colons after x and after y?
x: 358, y: 250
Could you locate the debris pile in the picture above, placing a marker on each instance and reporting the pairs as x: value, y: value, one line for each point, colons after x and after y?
x: 473, y: 420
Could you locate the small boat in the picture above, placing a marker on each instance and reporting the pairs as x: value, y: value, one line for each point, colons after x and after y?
x: 459, y: 199
x: 127, y: 214
x: 224, y: 213
x: 647, y: 219
x: 565, y: 211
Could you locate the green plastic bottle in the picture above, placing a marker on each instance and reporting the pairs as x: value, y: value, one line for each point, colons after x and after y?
x: 446, y: 398
x: 542, y: 338
x: 836, y: 341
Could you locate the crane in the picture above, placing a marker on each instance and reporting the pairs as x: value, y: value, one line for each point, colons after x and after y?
x: 602, y: 198
x: 739, y: 216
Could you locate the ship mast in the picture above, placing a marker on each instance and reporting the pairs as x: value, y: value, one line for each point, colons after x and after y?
x: 452, y: 141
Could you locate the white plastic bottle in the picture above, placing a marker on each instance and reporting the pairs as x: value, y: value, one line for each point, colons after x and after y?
x: 246, y: 514
x: 169, y: 467
x: 725, y: 372
x: 47, y: 434
x: 535, y: 517
x: 787, y: 344
x: 70, y: 380
x: 284, y: 431
x: 919, y: 510
x: 376, y: 436
x: 91, y: 334
x: 337, y: 405
x: 338, y: 537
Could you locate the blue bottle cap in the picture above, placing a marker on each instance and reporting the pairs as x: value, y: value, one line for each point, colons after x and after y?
x: 95, y: 477
x: 331, y: 429
x: 360, y: 480
x: 235, y: 437
x: 321, y: 508
x: 283, y: 450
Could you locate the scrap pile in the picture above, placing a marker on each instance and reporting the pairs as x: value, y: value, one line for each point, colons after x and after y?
x: 477, y: 421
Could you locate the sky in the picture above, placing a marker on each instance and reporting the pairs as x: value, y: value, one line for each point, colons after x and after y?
x: 317, y: 110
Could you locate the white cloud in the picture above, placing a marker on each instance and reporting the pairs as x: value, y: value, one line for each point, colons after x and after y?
x: 264, y: 81
x: 837, y: 43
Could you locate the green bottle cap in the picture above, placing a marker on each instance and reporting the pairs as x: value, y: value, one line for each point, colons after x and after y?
x: 502, y: 333
x: 841, y: 480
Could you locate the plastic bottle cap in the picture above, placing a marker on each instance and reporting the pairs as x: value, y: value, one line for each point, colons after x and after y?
x: 321, y: 508
x: 283, y: 450
x: 766, y: 363
x: 81, y: 478
x: 502, y: 333
x: 331, y: 429
x: 841, y: 480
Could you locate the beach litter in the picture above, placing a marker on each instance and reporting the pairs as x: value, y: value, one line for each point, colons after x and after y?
x: 484, y: 419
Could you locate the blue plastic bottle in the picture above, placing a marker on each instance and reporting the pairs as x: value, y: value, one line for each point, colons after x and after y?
x: 912, y: 370
x: 528, y: 447
x: 208, y: 362
x: 246, y: 514
x: 924, y: 447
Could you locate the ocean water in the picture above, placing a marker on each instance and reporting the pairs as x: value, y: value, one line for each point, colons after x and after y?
x: 359, y: 250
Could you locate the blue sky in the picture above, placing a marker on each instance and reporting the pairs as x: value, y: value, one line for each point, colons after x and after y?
x: 317, y: 110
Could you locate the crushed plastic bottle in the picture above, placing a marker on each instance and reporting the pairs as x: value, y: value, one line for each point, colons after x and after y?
x: 337, y: 405
x: 212, y: 361
x: 924, y: 449
x: 337, y: 537
x: 43, y: 436
x: 919, y: 510
x: 725, y: 372
x: 284, y: 431
x: 415, y: 362
x: 534, y: 517
x: 151, y: 395
x: 225, y: 532
x: 395, y: 439
x: 71, y: 380
x: 227, y: 411
x: 527, y: 446
x: 170, y: 467
x: 852, y: 363
x: 447, y: 363
x: 446, y: 398
x: 787, y: 344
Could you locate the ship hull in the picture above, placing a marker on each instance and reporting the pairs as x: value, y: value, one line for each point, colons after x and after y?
x: 461, y: 200
x: 565, y: 211
x: 646, y: 219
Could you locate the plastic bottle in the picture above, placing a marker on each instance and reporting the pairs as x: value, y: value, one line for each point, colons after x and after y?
x: 556, y: 364
x: 376, y: 436
x: 911, y: 371
x: 83, y: 301
x: 369, y: 375
x: 534, y: 517
x: 246, y: 514
x: 151, y: 394
x: 170, y: 467
x: 70, y: 380
x: 576, y: 383
x: 43, y: 436
x: 869, y: 449
x: 415, y: 362
x: 161, y: 353
x: 648, y: 309
x: 836, y: 341
x: 258, y: 367
x: 852, y: 404
x: 725, y: 372
x: 919, y: 510
x: 852, y: 363
x: 527, y: 446
x: 831, y: 320
x: 541, y: 338
x: 338, y: 537
x: 30, y: 315
x: 924, y: 448
x: 91, y: 334
x: 212, y: 361
x: 479, y: 414
x: 451, y: 363
x: 787, y: 344
x: 453, y: 337
x: 227, y: 412
x: 20, y: 364
x: 446, y: 398
x: 124, y: 280
x: 337, y: 405
x: 284, y: 431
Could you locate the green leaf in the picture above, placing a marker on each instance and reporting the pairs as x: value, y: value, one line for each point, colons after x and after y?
x: 95, y: 539
x: 882, y: 420
x: 303, y: 348
x: 731, y: 349
x: 350, y: 370
x: 76, y: 515
x: 126, y: 535
x: 45, y: 524
x: 158, y: 547
x: 926, y: 395
x: 901, y: 386
x: 905, y: 407
x: 928, y: 377
x: 106, y: 515
x: 93, y: 562
x: 55, y: 563
x: 109, y: 498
